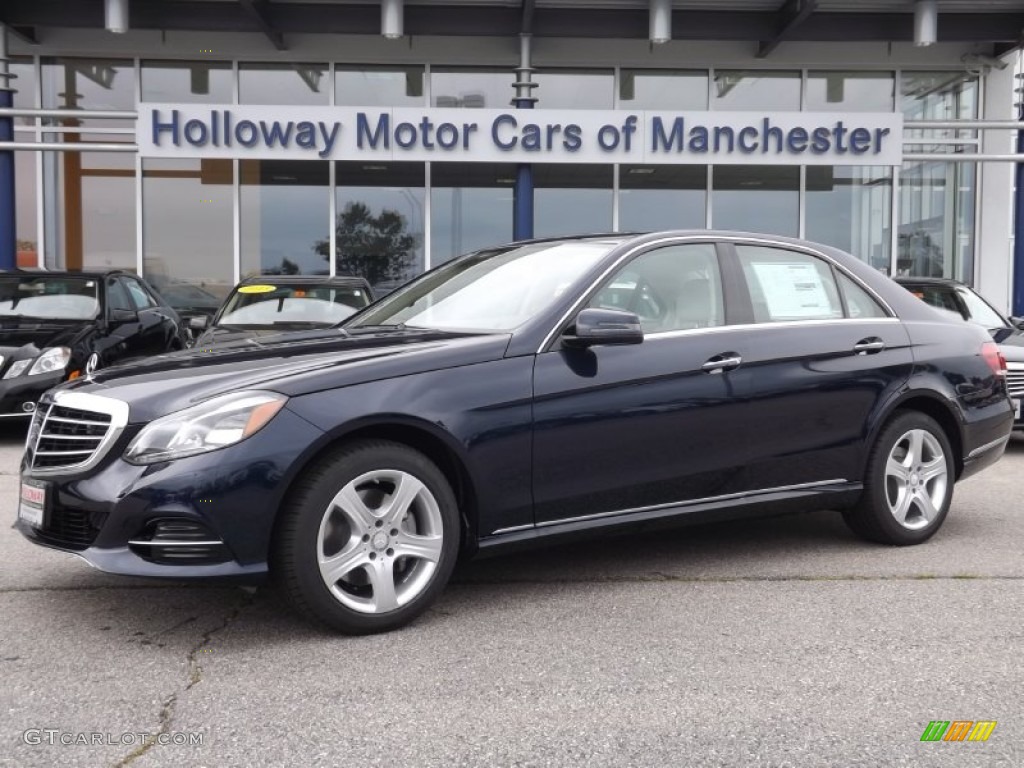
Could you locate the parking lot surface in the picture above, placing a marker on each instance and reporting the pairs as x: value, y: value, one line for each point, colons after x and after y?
x: 780, y: 642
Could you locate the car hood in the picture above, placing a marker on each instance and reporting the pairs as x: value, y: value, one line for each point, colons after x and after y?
x: 290, y: 363
x: 1011, y: 344
x: 20, y: 338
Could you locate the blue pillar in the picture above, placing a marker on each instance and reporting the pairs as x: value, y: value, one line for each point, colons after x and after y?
x: 8, y: 237
x: 522, y: 193
x: 1017, y: 310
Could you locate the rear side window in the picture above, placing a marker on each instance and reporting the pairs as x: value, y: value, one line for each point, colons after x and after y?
x: 859, y: 303
x: 787, y: 285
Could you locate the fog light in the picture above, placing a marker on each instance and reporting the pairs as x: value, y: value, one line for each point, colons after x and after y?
x: 28, y: 407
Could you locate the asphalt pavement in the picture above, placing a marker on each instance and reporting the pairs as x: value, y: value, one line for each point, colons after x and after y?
x: 781, y: 642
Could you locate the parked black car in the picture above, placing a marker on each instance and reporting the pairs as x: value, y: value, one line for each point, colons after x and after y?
x: 272, y: 304
x: 517, y: 394
x: 188, y: 300
x: 957, y: 300
x: 56, y: 325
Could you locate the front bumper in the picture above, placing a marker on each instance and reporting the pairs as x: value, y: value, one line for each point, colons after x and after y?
x: 202, y: 517
x: 18, y: 396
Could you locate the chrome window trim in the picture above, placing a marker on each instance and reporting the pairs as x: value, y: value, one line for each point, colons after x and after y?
x: 671, y: 504
x: 767, y: 326
x: 715, y: 240
x: 117, y: 410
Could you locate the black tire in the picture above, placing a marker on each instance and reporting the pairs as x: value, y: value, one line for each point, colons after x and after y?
x: 294, y: 559
x: 871, y: 518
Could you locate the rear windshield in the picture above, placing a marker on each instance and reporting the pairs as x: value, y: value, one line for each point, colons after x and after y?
x: 260, y: 305
x: 48, y: 298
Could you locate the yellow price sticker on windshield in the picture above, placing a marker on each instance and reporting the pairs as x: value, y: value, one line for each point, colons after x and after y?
x: 257, y: 289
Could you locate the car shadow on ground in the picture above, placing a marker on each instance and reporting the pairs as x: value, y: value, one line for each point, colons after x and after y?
x: 748, y: 549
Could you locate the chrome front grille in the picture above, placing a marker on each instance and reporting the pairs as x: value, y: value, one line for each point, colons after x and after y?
x: 73, y: 432
x: 1015, y: 381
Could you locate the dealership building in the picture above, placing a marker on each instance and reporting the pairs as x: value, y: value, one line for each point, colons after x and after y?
x: 199, y: 142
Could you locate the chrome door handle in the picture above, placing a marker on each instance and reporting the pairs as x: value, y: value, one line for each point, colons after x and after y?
x: 718, y: 364
x: 869, y: 345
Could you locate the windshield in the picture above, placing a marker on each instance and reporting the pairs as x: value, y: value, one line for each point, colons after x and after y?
x: 295, y: 303
x: 492, y: 290
x: 48, y: 298
x: 981, y: 312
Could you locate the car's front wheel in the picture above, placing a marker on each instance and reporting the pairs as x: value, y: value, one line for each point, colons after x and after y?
x: 908, y: 486
x: 368, y: 538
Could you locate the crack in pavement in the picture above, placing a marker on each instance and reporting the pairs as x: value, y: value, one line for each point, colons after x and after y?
x: 193, y: 678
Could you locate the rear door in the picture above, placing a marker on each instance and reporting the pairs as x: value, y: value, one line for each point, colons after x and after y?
x: 820, y: 357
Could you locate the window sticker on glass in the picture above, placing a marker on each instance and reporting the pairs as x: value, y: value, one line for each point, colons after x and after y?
x: 793, y: 291
x: 257, y: 289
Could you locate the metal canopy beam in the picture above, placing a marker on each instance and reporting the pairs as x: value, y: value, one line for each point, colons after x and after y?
x: 508, y: 20
x: 258, y: 10
x: 792, y: 14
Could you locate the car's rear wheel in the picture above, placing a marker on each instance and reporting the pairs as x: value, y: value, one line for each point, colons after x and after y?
x: 908, y: 486
x: 368, y: 538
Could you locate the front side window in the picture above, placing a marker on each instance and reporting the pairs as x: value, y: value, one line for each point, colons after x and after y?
x: 940, y: 298
x: 787, y: 285
x: 48, y: 298
x: 140, y: 299
x: 675, y: 288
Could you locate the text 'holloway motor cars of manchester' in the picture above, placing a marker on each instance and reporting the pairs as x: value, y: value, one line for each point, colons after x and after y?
x: 540, y: 389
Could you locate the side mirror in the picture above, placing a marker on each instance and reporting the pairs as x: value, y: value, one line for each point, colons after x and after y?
x: 1017, y: 322
x: 604, y: 326
x: 198, y: 323
x: 122, y: 316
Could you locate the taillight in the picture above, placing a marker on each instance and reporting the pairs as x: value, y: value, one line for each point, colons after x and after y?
x: 994, y: 358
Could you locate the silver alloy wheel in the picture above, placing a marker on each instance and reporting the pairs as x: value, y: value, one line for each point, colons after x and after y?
x: 380, y: 540
x: 915, y: 479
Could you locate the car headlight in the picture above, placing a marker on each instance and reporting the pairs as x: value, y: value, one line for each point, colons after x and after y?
x: 17, y: 367
x: 219, y: 422
x: 52, y: 359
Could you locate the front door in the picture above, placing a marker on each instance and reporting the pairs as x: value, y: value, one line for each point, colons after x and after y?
x: 622, y: 428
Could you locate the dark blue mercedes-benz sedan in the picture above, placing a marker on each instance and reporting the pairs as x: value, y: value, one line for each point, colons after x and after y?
x: 539, y: 389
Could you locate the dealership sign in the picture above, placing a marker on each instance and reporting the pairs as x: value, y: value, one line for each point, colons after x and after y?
x: 522, y: 136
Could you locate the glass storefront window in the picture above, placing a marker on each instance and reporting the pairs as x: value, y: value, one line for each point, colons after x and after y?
x: 280, y: 83
x: 936, y: 206
x: 378, y: 87
x: 472, y: 88
x: 572, y: 199
x: 89, y: 210
x: 843, y: 91
x: 98, y: 84
x: 749, y: 90
x: 26, y: 231
x: 849, y: 207
x: 936, y: 232
x: 187, y: 225
x: 666, y: 89
x: 470, y: 208
x: 574, y: 89
x: 380, y: 222
x: 284, y: 212
x: 662, y: 197
x: 187, y: 82
x: 756, y: 198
